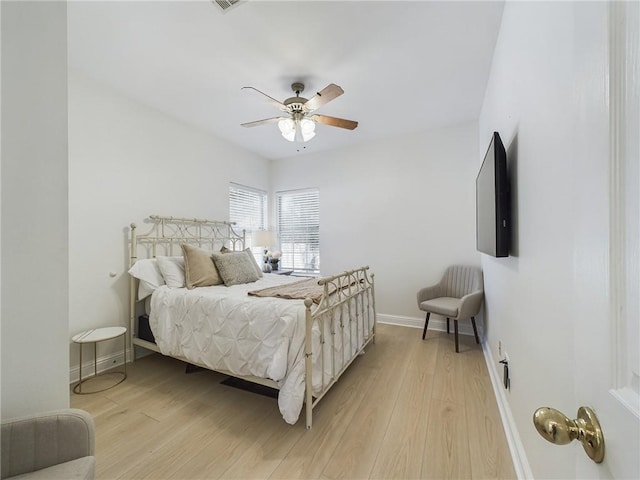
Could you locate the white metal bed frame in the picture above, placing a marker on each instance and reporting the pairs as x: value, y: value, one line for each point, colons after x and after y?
x: 354, y: 291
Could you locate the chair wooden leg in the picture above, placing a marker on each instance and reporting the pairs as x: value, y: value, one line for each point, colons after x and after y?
x: 475, y: 330
x: 426, y: 323
x: 455, y: 330
x: 448, y: 326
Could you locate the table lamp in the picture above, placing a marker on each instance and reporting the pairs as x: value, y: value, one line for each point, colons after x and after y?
x: 265, y: 239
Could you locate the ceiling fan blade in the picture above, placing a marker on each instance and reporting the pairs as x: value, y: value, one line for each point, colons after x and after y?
x: 275, y: 102
x: 334, y: 122
x: 323, y: 97
x: 261, y: 122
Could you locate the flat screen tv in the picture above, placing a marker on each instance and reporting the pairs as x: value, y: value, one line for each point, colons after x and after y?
x: 493, y: 222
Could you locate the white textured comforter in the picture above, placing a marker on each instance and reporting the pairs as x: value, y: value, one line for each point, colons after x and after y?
x: 226, y: 329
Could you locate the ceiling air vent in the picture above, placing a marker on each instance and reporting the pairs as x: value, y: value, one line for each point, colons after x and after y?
x: 226, y: 5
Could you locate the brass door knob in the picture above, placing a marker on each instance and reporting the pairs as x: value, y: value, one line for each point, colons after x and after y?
x: 556, y: 427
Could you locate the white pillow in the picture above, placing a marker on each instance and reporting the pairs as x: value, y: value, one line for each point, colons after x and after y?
x: 147, y: 271
x: 172, y: 269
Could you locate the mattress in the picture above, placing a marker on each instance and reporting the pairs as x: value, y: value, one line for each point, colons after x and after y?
x: 224, y: 328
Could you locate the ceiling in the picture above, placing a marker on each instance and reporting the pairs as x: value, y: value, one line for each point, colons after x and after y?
x: 404, y: 66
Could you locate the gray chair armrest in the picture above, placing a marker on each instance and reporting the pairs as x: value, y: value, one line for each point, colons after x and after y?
x: 39, y: 441
x: 470, y: 304
x: 428, y: 293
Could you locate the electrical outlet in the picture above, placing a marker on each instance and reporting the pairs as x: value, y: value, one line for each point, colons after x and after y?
x: 506, y: 377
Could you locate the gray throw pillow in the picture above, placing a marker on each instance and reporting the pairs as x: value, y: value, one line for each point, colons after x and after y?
x: 235, y: 268
x: 253, y: 262
x: 250, y: 254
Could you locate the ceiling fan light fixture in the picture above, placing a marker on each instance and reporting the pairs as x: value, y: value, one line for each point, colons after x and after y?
x: 297, y: 130
x: 307, y: 129
x: 307, y: 126
x: 288, y: 128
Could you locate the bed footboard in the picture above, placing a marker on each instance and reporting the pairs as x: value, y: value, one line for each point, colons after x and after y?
x: 349, y: 313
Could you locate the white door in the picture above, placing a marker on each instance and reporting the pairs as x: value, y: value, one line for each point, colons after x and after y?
x: 607, y: 233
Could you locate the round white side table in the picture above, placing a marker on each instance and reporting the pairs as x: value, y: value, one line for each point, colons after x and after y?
x: 94, y: 336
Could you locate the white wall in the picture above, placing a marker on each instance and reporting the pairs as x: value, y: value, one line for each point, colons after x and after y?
x: 35, y: 361
x: 544, y: 93
x: 404, y: 206
x: 127, y: 161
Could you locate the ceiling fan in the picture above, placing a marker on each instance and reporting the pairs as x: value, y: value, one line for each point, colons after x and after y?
x: 299, y: 125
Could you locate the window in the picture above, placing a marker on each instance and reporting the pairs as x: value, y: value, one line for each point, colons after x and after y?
x: 298, y: 224
x: 248, y: 208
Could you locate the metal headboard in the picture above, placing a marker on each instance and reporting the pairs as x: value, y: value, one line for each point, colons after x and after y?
x: 168, y: 233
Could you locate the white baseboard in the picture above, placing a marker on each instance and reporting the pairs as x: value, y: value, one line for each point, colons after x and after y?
x: 518, y: 454
x: 436, y: 322
x: 104, y: 363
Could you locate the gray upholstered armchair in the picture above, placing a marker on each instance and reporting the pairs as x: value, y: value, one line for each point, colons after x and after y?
x: 51, y: 445
x: 458, y: 295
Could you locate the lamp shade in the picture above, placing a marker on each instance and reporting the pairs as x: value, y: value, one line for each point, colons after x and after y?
x: 263, y: 238
x: 288, y: 128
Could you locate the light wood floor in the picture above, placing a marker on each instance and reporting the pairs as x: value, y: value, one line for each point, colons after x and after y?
x: 406, y: 409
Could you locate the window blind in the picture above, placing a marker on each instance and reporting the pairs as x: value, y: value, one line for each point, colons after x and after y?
x: 298, y: 224
x: 248, y: 208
